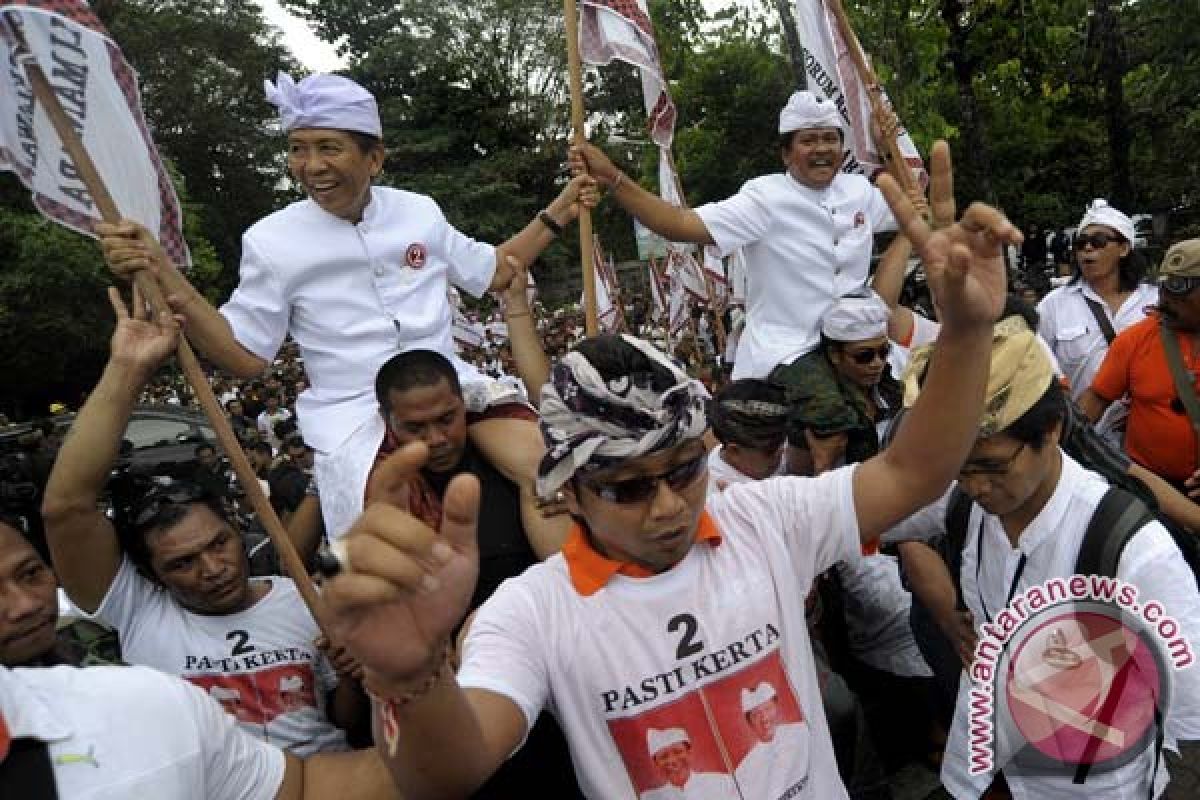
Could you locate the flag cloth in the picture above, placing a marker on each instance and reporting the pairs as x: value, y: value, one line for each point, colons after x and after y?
x: 610, y: 316
x: 621, y: 29
x: 832, y: 74
x: 98, y: 90
x: 658, y: 291
x: 466, y: 333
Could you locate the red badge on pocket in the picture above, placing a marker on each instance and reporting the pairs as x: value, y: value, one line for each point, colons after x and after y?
x: 860, y: 219
x: 415, y: 257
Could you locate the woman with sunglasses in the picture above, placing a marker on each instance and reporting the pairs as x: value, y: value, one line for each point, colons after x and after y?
x: 1106, y: 296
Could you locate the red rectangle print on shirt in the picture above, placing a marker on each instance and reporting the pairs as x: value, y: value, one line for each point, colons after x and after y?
x: 742, y: 737
x: 256, y: 698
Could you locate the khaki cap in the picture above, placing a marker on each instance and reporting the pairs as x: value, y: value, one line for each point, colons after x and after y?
x: 1182, y: 260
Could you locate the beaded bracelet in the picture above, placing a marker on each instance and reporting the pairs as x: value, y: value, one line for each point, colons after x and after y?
x: 389, y: 704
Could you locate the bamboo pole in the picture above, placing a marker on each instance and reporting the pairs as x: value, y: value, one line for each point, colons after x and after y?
x: 192, y: 370
x: 895, y: 161
x: 575, y: 69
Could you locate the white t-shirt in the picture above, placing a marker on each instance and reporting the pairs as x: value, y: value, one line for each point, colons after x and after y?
x: 260, y: 664
x: 1050, y: 545
x: 116, y: 733
x: 677, y: 649
x: 352, y: 296
x: 804, y: 248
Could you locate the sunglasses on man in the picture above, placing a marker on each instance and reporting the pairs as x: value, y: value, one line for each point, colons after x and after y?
x: 1098, y: 241
x: 1178, y: 284
x: 641, y: 489
x: 870, y: 354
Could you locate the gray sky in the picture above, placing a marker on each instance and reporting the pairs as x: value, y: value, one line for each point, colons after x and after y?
x: 321, y: 56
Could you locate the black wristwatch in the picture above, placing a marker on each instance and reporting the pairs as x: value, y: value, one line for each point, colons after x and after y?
x: 551, y: 223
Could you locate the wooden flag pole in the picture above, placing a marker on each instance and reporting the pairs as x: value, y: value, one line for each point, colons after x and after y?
x: 151, y: 290
x: 575, y: 68
x: 896, y: 163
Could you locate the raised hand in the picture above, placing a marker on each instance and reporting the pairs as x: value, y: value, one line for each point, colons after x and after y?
x: 128, y: 247
x: 587, y: 159
x: 141, y: 339
x: 964, y: 261
x: 405, y: 586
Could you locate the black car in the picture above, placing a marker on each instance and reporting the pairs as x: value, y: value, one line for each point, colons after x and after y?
x: 162, y: 439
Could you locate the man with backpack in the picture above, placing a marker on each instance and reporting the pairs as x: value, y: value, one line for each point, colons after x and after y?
x: 1032, y: 515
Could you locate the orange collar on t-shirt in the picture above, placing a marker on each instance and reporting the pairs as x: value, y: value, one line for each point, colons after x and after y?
x: 590, y: 570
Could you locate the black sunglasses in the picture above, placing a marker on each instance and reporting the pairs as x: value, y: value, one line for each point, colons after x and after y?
x: 639, y: 490
x: 1099, y: 241
x: 864, y: 357
x: 153, y: 503
x: 1178, y: 284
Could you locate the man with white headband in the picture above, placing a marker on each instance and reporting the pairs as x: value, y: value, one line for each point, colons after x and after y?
x: 355, y: 274
x: 662, y: 605
x: 672, y: 754
x: 807, y: 235
x: 776, y: 738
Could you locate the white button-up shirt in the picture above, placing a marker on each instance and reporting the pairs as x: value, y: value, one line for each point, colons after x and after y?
x: 1050, y: 545
x: 1075, y: 337
x: 115, y: 733
x: 353, y: 296
x: 804, y: 248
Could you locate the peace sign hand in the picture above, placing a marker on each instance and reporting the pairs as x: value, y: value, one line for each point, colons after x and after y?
x: 964, y: 260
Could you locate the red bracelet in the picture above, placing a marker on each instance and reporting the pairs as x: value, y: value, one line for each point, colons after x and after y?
x: 390, y: 704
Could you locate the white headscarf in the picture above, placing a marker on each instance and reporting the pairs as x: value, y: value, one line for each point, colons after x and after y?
x: 806, y: 110
x: 324, y: 101
x: 856, y: 317
x: 1101, y: 213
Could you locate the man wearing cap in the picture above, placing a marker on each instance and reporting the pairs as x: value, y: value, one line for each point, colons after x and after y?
x: 658, y: 594
x: 775, y: 741
x: 1158, y: 433
x: 355, y: 274
x: 807, y: 235
x: 671, y: 752
x: 749, y: 419
x: 1106, y: 295
x: 1031, y: 505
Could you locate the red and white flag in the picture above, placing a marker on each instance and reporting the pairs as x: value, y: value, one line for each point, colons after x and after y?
x: 98, y: 90
x: 610, y: 315
x: 658, y: 290
x: 621, y: 29
x: 832, y: 74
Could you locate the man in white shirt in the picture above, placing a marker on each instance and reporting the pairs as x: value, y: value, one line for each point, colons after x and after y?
x: 749, y: 419
x: 807, y: 234
x: 114, y: 733
x: 657, y: 603
x: 272, y: 415
x: 671, y: 752
x: 355, y: 274
x: 775, y: 741
x: 1031, y: 505
x: 170, y: 573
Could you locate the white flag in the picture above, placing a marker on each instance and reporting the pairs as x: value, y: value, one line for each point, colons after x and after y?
x: 832, y: 74
x: 621, y: 29
x: 98, y: 91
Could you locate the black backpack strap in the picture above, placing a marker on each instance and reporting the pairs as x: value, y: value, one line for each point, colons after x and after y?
x: 958, y: 516
x: 1101, y: 319
x: 1118, y: 517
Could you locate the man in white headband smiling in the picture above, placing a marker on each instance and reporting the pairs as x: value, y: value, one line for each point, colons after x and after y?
x: 807, y: 235
x: 355, y: 274
x: 661, y: 600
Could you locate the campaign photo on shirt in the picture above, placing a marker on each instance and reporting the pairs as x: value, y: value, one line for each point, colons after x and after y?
x: 744, y: 735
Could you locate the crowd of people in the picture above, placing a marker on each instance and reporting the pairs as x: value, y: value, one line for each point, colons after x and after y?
x: 769, y: 556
